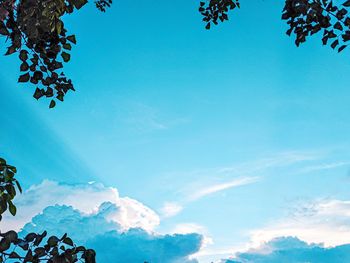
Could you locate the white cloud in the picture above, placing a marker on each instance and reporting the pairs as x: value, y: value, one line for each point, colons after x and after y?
x: 170, y: 209
x: 278, y: 160
x: 200, y: 193
x: 186, y: 228
x: 324, y: 166
x: 325, y: 221
x: 292, y: 250
x: 111, y: 243
x: 120, y: 229
x: 211, y: 180
x: 145, y: 118
x: 86, y: 198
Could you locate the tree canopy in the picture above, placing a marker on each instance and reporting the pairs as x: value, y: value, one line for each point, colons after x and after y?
x: 35, y: 31
x: 304, y: 18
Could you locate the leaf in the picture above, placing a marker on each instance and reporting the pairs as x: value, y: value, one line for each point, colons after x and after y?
x: 24, y: 78
x: 67, y: 46
x: 347, y: 3
x: 65, y: 56
x: 4, y: 244
x: 342, y: 48
x: 72, y: 39
x: 14, y: 255
x: 39, y: 238
x: 23, y: 55
x: 52, y: 104
x: 12, y: 208
x: 334, y: 44
x: 18, y: 186
x: 60, y: 96
x: 63, y: 237
x: 53, y: 240
x: 24, y: 66
x: 30, y: 237
x: 29, y: 256
x: 40, y: 251
x: 68, y: 241
x: 10, y: 50
x: 79, y: 3
x: 89, y: 256
x: 4, y: 31
x: 38, y: 93
x: 10, y: 235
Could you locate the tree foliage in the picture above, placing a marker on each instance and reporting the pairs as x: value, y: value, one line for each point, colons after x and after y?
x: 7, y: 187
x: 33, y: 247
x: 36, y: 32
x: 304, y: 18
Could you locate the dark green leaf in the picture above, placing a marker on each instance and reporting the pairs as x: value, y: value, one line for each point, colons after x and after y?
x: 52, y: 104
x: 23, y: 55
x: 68, y: 241
x: 79, y: 3
x: 12, y: 208
x: 24, y: 66
x: 72, y: 39
x: 14, y: 255
x: 24, y: 78
x: 52, y: 241
x: 65, y: 56
x: 347, y: 3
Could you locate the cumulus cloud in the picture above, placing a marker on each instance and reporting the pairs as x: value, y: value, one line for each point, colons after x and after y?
x: 186, y: 228
x: 292, y: 250
x: 120, y: 229
x: 325, y: 221
x: 87, y: 198
x: 112, y: 244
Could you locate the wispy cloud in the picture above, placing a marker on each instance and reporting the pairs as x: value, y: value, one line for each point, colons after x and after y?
x: 146, y: 118
x: 324, y: 166
x: 212, y: 181
x: 212, y: 189
x: 282, y: 159
x: 170, y: 209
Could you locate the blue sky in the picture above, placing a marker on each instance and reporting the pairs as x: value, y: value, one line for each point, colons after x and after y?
x: 227, y: 132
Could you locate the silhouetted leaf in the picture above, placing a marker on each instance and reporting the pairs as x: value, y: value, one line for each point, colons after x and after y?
x: 347, y: 3
x: 24, y: 78
x: 12, y: 208
x: 65, y: 56
x: 72, y: 39
x: 52, y: 104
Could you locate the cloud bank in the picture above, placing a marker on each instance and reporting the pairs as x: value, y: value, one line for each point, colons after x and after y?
x: 120, y: 229
x: 87, y: 198
x: 323, y: 221
x: 109, y: 241
x: 293, y: 250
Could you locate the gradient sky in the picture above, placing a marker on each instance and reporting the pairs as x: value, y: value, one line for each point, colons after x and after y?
x: 223, y: 131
